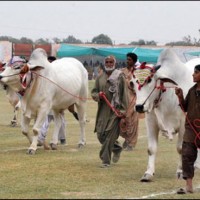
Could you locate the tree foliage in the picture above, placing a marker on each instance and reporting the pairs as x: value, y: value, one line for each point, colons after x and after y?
x: 42, y: 41
x: 143, y: 42
x: 56, y: 40
x: 72, y: 40
x: 25, y: 40
x: 102, y: 39
x: 186, y: 41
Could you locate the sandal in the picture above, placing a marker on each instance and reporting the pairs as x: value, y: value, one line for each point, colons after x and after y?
x: 181, y: 191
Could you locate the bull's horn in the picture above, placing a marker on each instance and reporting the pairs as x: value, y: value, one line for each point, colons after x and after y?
x: 168, y: 80
x: 157, y: 67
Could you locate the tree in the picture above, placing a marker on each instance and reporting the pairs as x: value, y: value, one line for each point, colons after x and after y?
x: 143, y: 42
x: 25, y: 40
x: 71, y: 39
x: 187, y: 39
x: 4, y: 38
x: 42, y: 41
x: 102, y: 39
x: 56, y: 40
x: 152, y: 42
x: 10, y: 39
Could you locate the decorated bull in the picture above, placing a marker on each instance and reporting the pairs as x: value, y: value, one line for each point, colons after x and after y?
x: 154, y: 86
x: 47, y: 86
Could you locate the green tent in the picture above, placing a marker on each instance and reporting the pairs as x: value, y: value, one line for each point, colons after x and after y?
x: 144, y: 54
x: 66, y: 50
x: 193, y: 53
x: 119, y: 53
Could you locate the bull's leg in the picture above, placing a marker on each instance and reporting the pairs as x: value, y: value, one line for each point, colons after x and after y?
x: 152, y: 136
x: 17, y: 111
x: 62, y: 131
x: 57, y: 126
x: 13, y: 122
x: 36, y: 129
x: 25, y: 127
x: 81, y: 109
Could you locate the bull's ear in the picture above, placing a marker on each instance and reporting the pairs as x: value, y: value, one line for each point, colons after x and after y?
x: 157, y: 67
x: 34, y: 67
x: 168, y: 80
x: 37, y: 68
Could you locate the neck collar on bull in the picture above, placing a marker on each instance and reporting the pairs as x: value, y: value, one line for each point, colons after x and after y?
x: 25, y: 80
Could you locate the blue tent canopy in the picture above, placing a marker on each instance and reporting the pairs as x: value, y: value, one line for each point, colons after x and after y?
x: 70, y: 51
x: 119, y: 53
x: 144, y: 54
x: 193, y: 53
x: 147, y: 55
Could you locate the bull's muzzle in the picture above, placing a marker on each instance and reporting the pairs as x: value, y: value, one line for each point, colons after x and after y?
x: 139, y: 108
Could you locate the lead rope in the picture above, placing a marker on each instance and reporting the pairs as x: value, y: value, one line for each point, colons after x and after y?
x: 81, y: 98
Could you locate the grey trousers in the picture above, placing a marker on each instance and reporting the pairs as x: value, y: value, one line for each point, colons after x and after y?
x: 43, y: 132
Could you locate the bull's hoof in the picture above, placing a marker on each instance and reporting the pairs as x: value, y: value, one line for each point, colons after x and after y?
x: 31, y: 152
x: 53, y: 146
x: 81, y: 146
x: 146, y: 178
x: 13, y: 123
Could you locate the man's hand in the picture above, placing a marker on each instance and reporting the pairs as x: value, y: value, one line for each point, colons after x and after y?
x: 101, y: 94
x: 179, y: 92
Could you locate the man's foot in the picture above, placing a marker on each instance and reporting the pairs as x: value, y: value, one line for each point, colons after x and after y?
x: 181, y: 191
x: 116, y: 157
x: 104, y: 165
x: 124, y: 145
x: 189, y: 189
x: 184, y: 191
x: 128, y: 148
x: 62, y: 141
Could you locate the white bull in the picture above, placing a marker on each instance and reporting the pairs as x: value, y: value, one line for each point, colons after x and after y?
x: 49, y: 86
x: 156, y: 98
x: 13, y: 99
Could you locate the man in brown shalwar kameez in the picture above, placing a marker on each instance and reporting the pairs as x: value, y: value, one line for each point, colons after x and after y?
x: 131, y: 130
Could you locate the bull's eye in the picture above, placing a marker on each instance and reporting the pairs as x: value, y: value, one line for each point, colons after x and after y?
x: 149, y: 80
x: 131, y: 84
x: 17, y: 66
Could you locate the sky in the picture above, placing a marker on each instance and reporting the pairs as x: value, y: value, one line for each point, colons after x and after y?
x: 122, y: 21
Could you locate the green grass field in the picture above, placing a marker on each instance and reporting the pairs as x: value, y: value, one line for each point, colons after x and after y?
x: 69, y: 173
